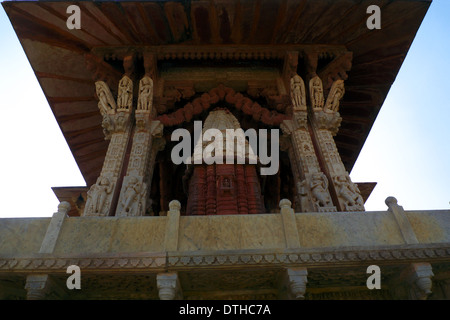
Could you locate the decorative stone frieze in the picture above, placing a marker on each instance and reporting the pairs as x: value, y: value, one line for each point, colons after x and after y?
x: 43, y: 264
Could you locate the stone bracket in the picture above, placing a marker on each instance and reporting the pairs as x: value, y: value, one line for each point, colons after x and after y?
x: 293, y: 283
x: 168, y: 286
x: 414, y: 282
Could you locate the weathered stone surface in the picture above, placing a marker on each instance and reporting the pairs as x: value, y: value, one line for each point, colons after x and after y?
x: 22, y: 235
x: 430, y: 226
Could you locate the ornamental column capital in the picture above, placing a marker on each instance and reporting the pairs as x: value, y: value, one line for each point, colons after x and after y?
x: 327, y: 121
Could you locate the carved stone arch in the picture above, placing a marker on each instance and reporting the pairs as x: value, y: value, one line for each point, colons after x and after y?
x: 208, y: 100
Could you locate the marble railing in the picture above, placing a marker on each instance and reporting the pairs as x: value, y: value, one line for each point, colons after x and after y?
x: 62, y: 235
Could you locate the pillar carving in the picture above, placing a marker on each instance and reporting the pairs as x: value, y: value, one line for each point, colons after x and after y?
x: 420, y: 282
x: 293, y: 284
x: 312, y: 187
x: 326, y: 122
x: 134, y: 195
x: 117, y: 128
x: 414, y: 282
x: 168, y: 286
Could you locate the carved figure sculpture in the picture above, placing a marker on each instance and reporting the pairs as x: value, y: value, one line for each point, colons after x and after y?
x: 106, y: 101
x: 316, y: 93
x: 302, y: 191
x: 99, y: 192
x: 298, y: 93
x: 125, y: 95
x: 132, y: 194
x: 145, y: 99
x: 319, y: 190
x: 348, y: 192
x: 336, y: 93
x: 108, y: 126
x: 121, y: 123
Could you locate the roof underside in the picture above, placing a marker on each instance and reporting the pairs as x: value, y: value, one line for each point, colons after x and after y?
x: 57, y: 54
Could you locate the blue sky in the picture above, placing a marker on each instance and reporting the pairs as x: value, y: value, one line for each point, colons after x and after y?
x: 407, y: 151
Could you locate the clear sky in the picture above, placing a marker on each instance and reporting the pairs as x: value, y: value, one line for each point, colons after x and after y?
x: 407, y: 151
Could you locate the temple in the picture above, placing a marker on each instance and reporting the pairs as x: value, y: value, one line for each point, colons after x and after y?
x: 216, y: 140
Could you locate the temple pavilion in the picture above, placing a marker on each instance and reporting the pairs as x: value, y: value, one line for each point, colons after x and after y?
x: 305, y: 79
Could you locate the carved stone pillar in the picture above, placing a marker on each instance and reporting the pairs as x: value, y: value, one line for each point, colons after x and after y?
x: 326, y: 121
x: 41, y: 286
x: 414, y: 282
x: 293, y: 284
x: 117, y: 127
x: 168, y: 286
x: 312, y: 190
x: 134, y: 195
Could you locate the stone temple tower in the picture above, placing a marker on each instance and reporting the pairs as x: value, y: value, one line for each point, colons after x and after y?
x: 230, y: 187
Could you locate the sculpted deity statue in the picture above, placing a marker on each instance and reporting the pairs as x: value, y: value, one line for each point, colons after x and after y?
x: 106, y: 101
x: 125, y: 95
x: 336, y: 93
x: 316, y: 93
x: 98, y: 194
x: 145, y: 100
x: 132, y: 196
x: 319, y: 190
x: 298, y: 93
x: 348, y: 192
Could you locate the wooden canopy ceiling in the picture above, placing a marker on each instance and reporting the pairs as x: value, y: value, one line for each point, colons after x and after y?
x: 59, y: 56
